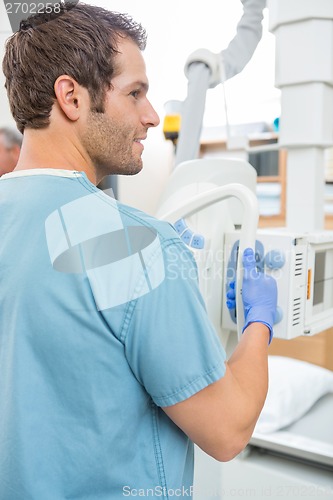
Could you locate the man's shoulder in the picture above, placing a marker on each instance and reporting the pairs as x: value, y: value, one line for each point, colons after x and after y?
x: 133, y: 217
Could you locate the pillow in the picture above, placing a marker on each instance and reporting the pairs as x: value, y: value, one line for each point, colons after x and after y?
x: 294, y: 386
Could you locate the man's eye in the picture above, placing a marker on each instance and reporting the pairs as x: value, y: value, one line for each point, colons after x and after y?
x: 135, y: 93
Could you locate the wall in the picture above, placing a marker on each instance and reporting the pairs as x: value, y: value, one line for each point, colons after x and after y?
x: 317, y: 349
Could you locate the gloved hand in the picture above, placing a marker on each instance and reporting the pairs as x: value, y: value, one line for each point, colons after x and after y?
x: 259, y: 294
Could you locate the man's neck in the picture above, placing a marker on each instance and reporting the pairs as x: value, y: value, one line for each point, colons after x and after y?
x: 41, y: 149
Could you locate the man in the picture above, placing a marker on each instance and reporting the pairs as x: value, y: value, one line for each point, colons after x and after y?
x: 10, y: 145
x: 109, y: 366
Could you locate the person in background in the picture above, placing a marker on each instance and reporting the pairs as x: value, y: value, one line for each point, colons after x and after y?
x: 10, y: 146
x: 110, y: 369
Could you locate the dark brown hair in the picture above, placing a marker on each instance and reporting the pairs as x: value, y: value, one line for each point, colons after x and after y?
x: 79, y: 41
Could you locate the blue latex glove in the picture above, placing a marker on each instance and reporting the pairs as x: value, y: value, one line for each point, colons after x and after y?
x: 259, y: 294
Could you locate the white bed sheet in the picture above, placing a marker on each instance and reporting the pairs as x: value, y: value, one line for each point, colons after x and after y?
x: 309, y: 438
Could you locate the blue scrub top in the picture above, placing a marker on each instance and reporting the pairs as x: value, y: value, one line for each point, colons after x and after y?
x: 101, y: 324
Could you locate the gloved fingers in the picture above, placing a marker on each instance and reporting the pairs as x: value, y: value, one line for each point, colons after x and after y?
x: 249, y: 264
x: 231, y: 296
x: 231, y: 304
x: 231, y: 293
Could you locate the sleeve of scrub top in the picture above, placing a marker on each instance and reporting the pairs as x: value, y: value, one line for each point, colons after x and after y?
x: 170, y: 343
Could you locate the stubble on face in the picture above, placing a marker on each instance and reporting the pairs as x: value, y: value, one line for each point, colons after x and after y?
x: 109, y: 145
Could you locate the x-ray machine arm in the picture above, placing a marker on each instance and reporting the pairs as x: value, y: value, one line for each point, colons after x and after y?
x: 205, y: 70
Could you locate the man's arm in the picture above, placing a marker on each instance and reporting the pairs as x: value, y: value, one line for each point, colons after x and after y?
x: 221, y: 418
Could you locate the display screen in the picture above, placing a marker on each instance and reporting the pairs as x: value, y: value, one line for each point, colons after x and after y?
x: 323, y: 281
x: 319, y: 278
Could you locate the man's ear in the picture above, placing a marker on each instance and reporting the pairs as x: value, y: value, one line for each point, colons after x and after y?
x: 69, y: 96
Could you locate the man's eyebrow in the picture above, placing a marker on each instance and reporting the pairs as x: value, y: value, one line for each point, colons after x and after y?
x: 140, y: 84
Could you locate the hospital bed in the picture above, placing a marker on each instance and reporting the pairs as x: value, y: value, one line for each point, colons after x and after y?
x: 295, y: 461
